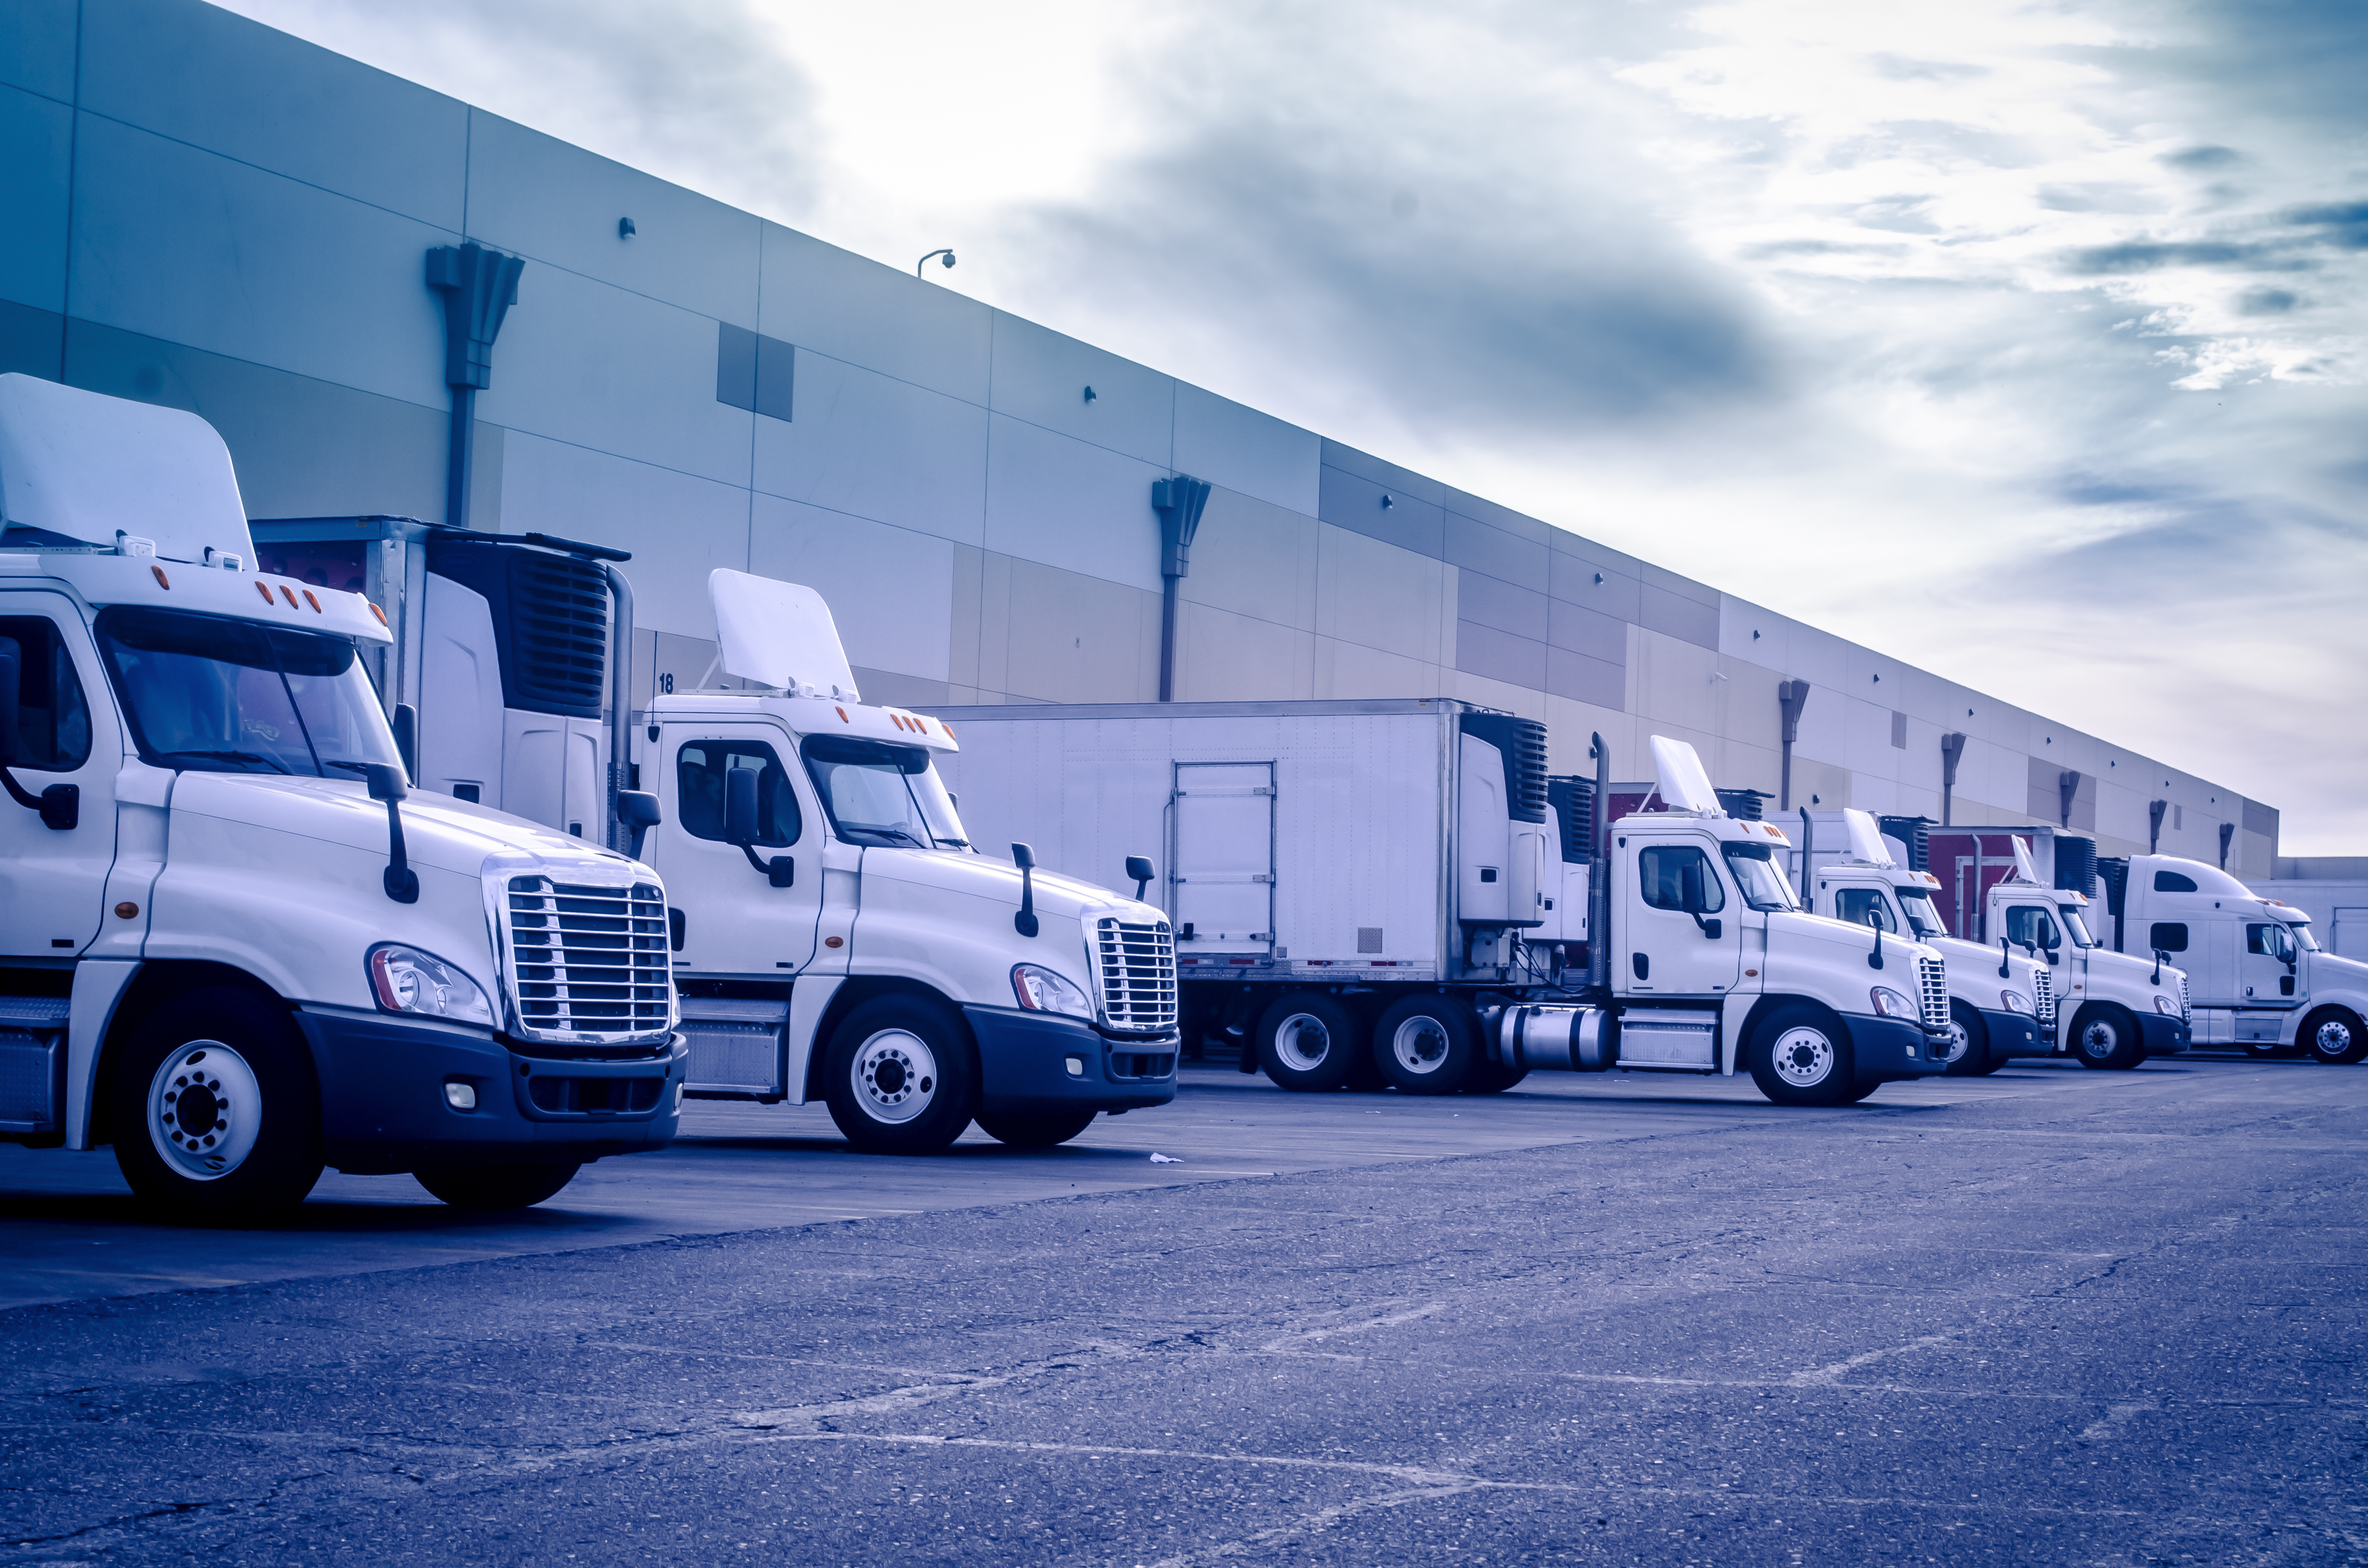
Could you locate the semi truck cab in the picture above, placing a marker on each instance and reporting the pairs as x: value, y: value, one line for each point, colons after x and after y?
x: 838, y: 937
x: 2115, y: 1010
x: 2261, y: 980
x: 2001, y: 1003
x: 233, y: 944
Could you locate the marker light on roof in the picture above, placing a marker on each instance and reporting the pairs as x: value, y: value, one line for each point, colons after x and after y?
x: 264, y: 589
x: 288, y: 594
x: 162, y: 581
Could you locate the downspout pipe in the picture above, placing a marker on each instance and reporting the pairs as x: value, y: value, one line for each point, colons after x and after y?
x: 1179, y: 502
x: 1792, y: 695
x: 479, y: 286
x: 621, y: 696
x: 1952, y: 751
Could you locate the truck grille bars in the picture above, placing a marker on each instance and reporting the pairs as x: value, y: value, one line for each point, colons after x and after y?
x: 1932, y: 992
x: 2043, y: 1005
x: 1137, y: 965
x: 588, y: 964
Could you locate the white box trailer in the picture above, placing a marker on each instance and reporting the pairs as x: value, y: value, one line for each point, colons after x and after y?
x: 1395, y: 890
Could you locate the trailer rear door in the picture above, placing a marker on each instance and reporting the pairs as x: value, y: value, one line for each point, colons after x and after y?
x: 1223, y: 858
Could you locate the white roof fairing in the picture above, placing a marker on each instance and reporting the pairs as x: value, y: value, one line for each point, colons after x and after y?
x: 780, y: 635
x: 1684, y: 784
x: 83, y: 467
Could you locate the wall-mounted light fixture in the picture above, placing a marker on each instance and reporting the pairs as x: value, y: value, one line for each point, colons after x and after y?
x: 625, y: 229
x: 1089, y: 394
x: 947, y: 253
x: 1388, y: 502
x: 1598, y: 579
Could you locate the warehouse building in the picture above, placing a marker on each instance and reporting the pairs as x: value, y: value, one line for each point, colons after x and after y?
x: 208, y: 213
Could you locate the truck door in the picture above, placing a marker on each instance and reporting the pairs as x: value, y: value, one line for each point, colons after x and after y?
x: 1685, y: 937
x: 2033, y: 928
x: 1224, y: 859
x: 733, y: 920
x: 54, y: 880
x: 2262, y: 975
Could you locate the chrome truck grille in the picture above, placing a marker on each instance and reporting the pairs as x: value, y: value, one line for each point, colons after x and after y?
x: 2183, y: 1013
x: 1136, y: 967
x: 2044, y: 1004
x: 1932, y: 992
x: 587, y: 964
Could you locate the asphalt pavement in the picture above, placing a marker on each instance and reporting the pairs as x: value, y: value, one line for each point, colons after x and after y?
x: 2048, y: 1316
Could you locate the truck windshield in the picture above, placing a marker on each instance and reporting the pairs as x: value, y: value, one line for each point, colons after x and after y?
x: 210, y: 695
x: 1922, y: 918
x: 2077, y: 927
x: 2302, y: 934
x: 1763, y: 881
x: 879, y: 793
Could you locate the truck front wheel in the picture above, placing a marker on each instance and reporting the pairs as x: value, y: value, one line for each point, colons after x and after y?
x: 2333, y: 1035
x: 2106, y: 1037
x: 1426, y: 1045
x: 1035, y: 1131
x: 900, y: 1079
x: 1799, y: 1057
x: 1969, y: 1039
x: 214, y: 1108
x: 497, y: 1187
x: 1305, y: 1040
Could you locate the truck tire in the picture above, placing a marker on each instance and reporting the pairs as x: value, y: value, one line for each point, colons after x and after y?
x: 1800, y: 1056
x: 1035, y: 1131
x: 1492, y: 1077
x: 902, y: 1076
x: 2333, y: 1035
x: 2105, y: 1037
x: 1426, y: 1045
x: 230, y: 1063
x: 1969, y: 1039
x: 497, y: 1187
x: 1304, y: 1042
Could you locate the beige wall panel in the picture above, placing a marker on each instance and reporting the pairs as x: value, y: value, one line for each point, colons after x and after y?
x: 1255, y: 559
x: 993, y: 621
x: 1527, y: 702
x: 1223, y: 657
x: 961, y: 640
x: 890, y: 590
x: 1381, y: 597
x: 1568, y: 725
x: 1079, y: 639
x: 1344, y: 670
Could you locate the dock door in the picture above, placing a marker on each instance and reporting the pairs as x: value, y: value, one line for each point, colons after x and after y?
x: 1221, y: 869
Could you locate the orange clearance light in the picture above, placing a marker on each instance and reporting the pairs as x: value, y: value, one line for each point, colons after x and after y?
x: 949, y: 729
x: 314, y: 602
x: 288, y: 594
x: 842, y: 716
x: 374, y: 611
x: 264, y: 589
x: 162, y: 581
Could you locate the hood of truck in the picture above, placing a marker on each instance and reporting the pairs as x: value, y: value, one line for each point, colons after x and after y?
x: 1794, y: 929
x: 437, y: 831
x: 1963, y: 955
x: 2329, y: 970
x: 979, y: 876
x: 2130, y: 965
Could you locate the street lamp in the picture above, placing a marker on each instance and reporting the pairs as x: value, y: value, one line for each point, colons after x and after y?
x: 948, y: 254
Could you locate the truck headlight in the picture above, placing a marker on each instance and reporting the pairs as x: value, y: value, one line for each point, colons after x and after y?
x: 1892, y: 1003
x: 1041, y: 991
x: 405, y: 980
x: 2163, y: 1003
x: 2014, y: 1001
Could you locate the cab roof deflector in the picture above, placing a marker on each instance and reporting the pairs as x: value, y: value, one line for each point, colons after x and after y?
x: 1683, y: 784
x: 779, y: 635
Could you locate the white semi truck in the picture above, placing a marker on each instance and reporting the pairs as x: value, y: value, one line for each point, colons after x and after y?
x: 232, y: 943
x: 2029, y: 887
x: 2001, y: 1003
x: 2261, y: 978
x: 841, y: 940
x: 1394, y: 892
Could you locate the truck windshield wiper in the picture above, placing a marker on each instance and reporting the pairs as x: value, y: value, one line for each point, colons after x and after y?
x: 896, y: 833
x: 238, y: 756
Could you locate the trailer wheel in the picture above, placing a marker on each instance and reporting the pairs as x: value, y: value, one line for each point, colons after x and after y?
x: 1969, y: 1039
x: 2333, y: 1035
x: 215, y: 1112
x: 1426, y: 1045
x: 2107, y: 1038
x: 497, y: 1187
x: 1800, y: 1057
x: 1304, y: 1042
x: 901, y: 1079
x: 1035, y: 1131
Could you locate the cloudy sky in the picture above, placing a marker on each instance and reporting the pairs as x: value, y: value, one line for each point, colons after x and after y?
x: 2024, y: 342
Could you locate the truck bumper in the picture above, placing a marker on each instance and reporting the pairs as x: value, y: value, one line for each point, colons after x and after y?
x: 383, y: 1108
x: 2014, y: 1034
x: 2164, y: 1035
x: 1030, y: 1065
x: 1893, y: 1047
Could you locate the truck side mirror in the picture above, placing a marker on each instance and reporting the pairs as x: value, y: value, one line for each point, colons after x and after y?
x: 1025, y: 921
x: 1139, y: 867
x: 12, y: 672
x: 739, y: 806
x: 406, y: 737
x: 385, y: 782
x: 637, y: 810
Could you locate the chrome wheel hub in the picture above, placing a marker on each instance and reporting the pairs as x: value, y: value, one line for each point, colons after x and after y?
x: 1803, y: 1057
x: 1302, y: 1042
x: 2333, y: 1038
x: 204, y: 1111
x: 896, y: 1077
x: 1420, y: 1044
x: 1959, y: 1043
x: 2100, y: 1040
